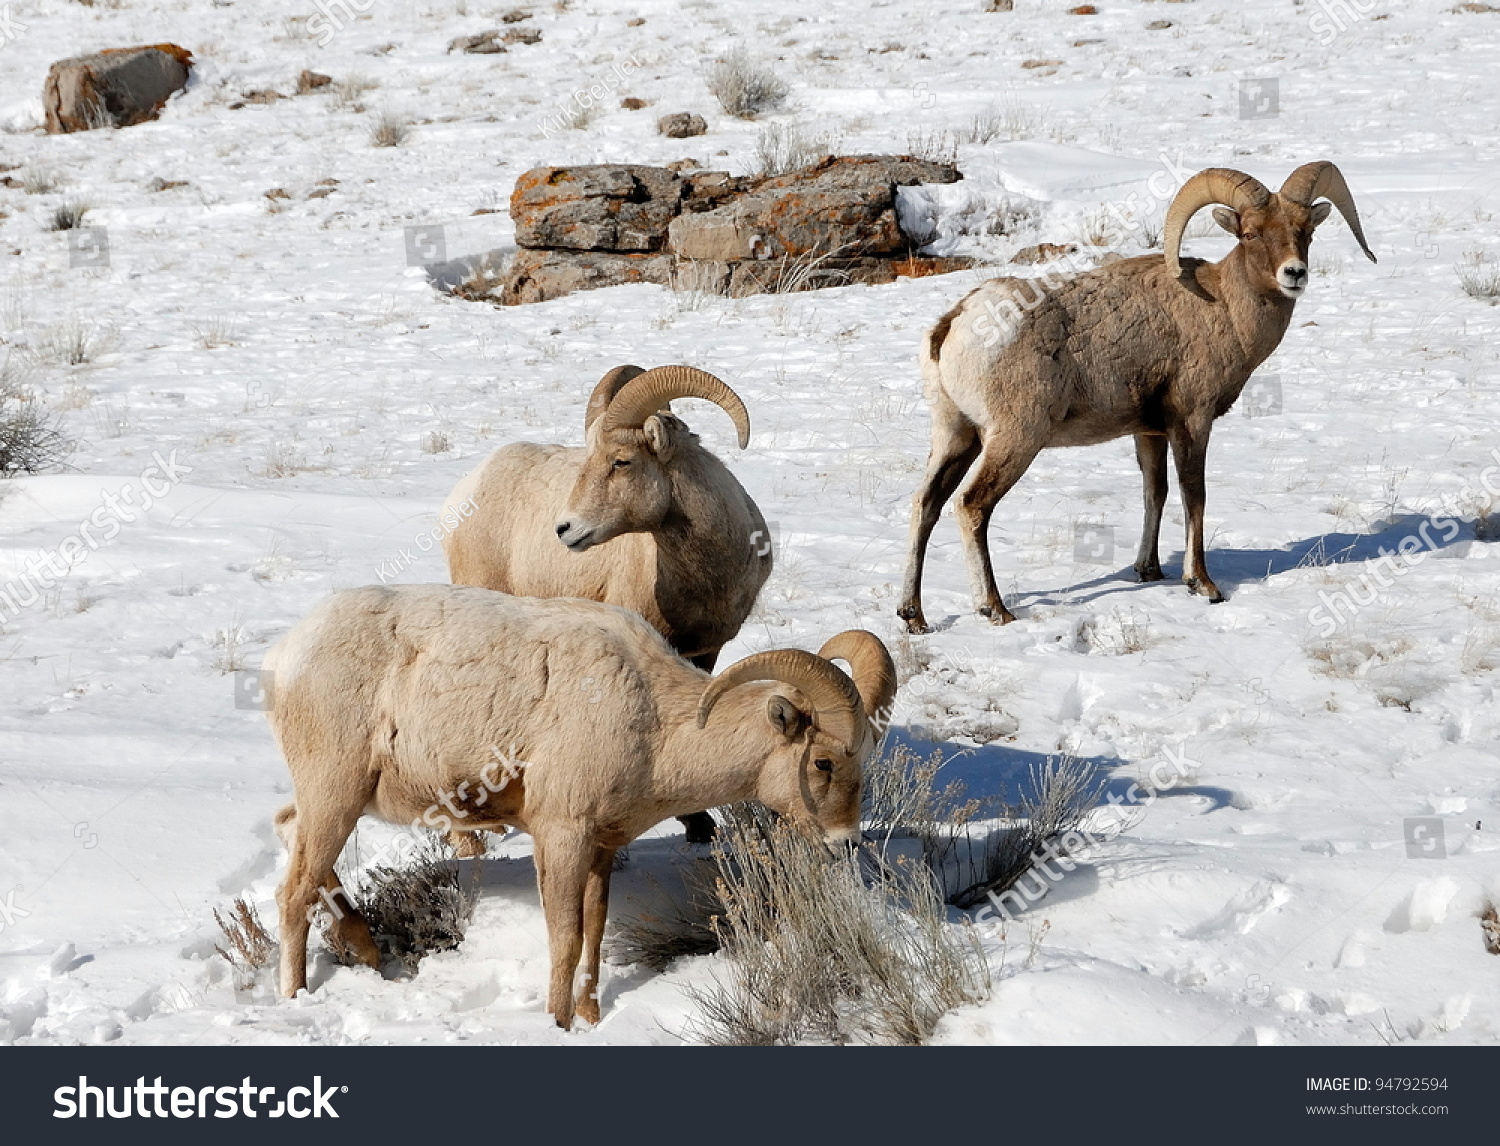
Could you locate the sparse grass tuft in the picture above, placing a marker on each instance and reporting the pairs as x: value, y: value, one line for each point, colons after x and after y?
x: 40, y: 181
x: 68, y: 215
x: 1479, y: 277
x: 935, y: 146
x: 744, y: 88
x: 389, y: 130
x: 248, y: 946
x: 783, y: 147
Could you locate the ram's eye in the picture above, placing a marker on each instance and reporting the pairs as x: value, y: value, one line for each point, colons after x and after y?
x: 824, y: 765
x: 1250, y: 236
x: 621, y: 463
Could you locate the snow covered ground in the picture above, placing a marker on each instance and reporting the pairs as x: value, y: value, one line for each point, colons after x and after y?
x: 322, y: 398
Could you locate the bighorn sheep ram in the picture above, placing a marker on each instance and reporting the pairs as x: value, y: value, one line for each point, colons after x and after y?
x: 400, y: 701
x: 1153, y: 347
x: 641, y: 516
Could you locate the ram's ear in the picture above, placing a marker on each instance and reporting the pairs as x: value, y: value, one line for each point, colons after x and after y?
x: 1229, y: 220
x: 1320, y: 211
x: 658, y: 431
x: 785, y: 716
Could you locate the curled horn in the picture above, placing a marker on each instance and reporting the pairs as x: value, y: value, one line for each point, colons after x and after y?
x: 1234, y: 189
x: 643, y: 396
x: 1322, y: 180
x: 872, y: 668
x: 836, y: 702
x: 604, y: 393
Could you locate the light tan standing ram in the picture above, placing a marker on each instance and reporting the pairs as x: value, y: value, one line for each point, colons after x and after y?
x: 1153, y: 347
x: 640, y: 516
x: 398, y: 702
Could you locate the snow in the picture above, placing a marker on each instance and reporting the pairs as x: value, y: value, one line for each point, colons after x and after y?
x: 326, y: 399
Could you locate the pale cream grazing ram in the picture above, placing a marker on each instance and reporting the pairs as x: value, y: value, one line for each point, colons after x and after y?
x: 397, y: 702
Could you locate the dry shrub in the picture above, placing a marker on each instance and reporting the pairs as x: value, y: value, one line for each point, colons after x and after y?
x: 813, y: 951
x: 744, y: 88
x: 1061, y: 792
x: 1489, y: 922
x: 249, y: 945
x: 414, y: 910
x: 683, y: 926
x: 30, y: 441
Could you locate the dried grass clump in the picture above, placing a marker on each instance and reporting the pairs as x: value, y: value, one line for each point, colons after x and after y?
x: 389, y: 130
x: 248, y: 946
x: 745, y: 89
x: 1489, y: 922
x: 815, y: 953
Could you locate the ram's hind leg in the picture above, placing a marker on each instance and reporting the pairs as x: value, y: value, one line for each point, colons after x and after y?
x: 1151, y: 456
x: 955, y: 445
x: 1000, y: 467
x: 563, y: 861
x: 595, y: 911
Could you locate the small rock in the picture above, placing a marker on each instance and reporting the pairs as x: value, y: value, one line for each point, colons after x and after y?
x: 633, y: 103
x: 1000, y: 6
x: 312, y: 81
x: 117, y: 88
x: 278, y: 193
x: 636, y: 23
x: 1158, y: 25
x: 1041, y: 63
x: 482, y: 44
x: 157, y: 183
x: 515, y: 16
x: 1083, y: 10
x: 1043, y: 253
x: 523, y: 36
x: 261, y: 95
x: 320, y: 193
x: 681, y: 125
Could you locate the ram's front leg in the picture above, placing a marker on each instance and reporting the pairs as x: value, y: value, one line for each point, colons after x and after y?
x: 1190, y: 453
